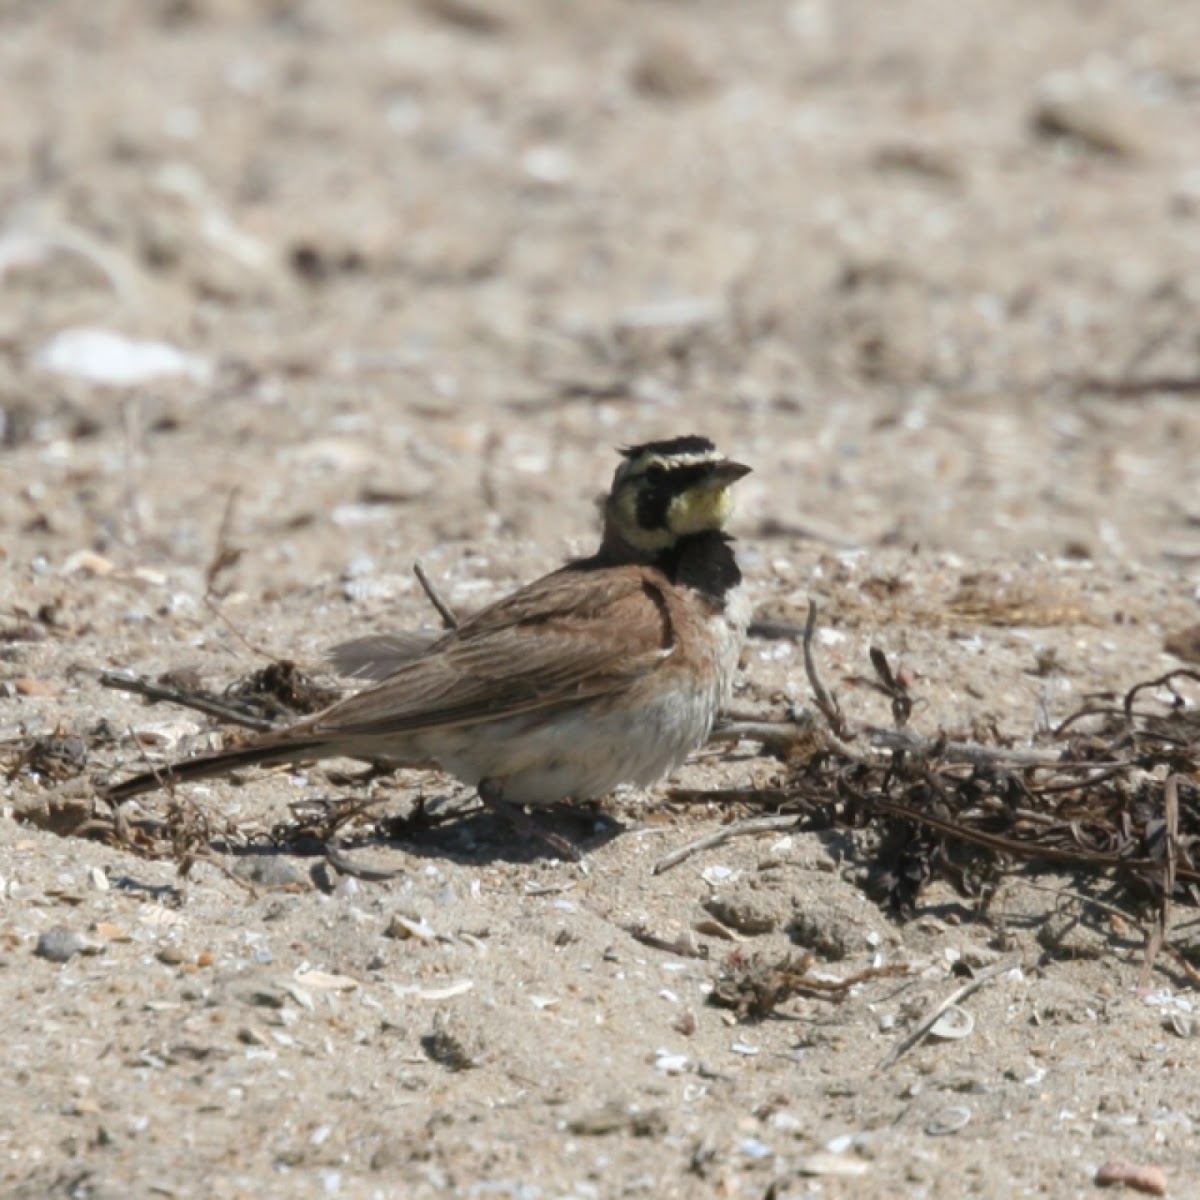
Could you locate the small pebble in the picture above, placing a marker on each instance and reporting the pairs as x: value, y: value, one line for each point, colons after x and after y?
x: 36, y: 687
x: 825, y: 928
x: 266, y: 999
x: 270, y: 871
x: 1150, y: 1180
x: 753, y: 1148
x: 747, y: 909
x: 59, y: 944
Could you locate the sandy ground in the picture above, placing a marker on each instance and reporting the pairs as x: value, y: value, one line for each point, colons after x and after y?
x: 932, y: 268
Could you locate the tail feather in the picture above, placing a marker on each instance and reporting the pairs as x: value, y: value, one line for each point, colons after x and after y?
x: 208, y: 765
x: 375, y: 658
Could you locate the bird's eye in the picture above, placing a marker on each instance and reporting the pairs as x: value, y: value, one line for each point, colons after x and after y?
x: 655, y: 474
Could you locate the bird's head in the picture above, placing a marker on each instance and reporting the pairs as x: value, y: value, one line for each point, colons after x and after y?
x: 664, y: 491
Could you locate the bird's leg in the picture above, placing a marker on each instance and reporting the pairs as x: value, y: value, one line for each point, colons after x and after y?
x: 492, y: 795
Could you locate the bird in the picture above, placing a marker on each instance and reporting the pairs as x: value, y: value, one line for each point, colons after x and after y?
x: 610, y: 670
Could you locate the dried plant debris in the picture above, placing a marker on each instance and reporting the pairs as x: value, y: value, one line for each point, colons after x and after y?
x: 1112, y: 791
x: 53, y: 757
x: 278, y: 692
x: 615, y: 1117
x: 454, y: 1044
x: 282, y: 690
x: 754, y: 986
x: 1111, y: 794
x: 1094, y: 800
x: 67, y: 810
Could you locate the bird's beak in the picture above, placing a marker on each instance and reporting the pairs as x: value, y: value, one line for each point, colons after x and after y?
x: 722, y: 474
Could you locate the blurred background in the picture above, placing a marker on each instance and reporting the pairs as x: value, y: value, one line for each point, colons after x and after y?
x: 294, y: 292
x: 404, y: 273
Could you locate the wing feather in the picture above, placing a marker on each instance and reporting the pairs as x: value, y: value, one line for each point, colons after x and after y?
x: 375, y: 657
x: 566, y: 638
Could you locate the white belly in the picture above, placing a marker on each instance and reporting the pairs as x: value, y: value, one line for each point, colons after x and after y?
x: 584, y: 752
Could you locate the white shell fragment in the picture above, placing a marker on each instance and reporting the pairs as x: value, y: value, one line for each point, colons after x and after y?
x: 103, y: 357
x: 402, y: 927
x: 953, y: 1024
x: 672, y: 1064
x: 448, y: 992
x: 1182, y: 1024
x: 323, y: 981
x: 948, y: 1120
x: 832, y: 1165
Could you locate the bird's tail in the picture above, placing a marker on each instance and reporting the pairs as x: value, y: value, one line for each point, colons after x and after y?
x: 376, y: 657
x: 268, y: 751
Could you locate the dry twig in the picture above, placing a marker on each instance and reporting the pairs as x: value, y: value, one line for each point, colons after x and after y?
x: 830, y: 709
x: 198, y: 701
x: 449, y: 616
x: 719, y: 837
x: 1157, y: 935
x: 905, y: 1044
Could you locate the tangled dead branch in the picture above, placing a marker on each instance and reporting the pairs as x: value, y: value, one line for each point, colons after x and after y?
x: 1112, y: 791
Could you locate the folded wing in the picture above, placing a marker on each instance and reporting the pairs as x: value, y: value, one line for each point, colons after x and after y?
x: 548, y: 645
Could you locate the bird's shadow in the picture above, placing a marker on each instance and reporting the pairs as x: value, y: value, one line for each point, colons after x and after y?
x: 442, y: 828
x: 482, y: 835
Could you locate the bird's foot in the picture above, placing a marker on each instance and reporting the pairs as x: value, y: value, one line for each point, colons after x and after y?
x: 492, y: 795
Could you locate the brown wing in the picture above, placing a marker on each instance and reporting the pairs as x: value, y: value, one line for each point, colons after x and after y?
x: 568, y: 637
x: 375, y: 657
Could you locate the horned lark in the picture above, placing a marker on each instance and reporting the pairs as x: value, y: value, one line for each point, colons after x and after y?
x: 610, y: 670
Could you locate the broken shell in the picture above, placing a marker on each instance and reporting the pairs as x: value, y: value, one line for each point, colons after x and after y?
x: 948, y: 1120
x: 711, y: 927
x: 448, y: 992
x: 1182, y: 1023
x: 827, y: 1163
x: 953, y: 1024
x: 323, y: 981
x: 672, y: 1064
x: 402, y: 927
